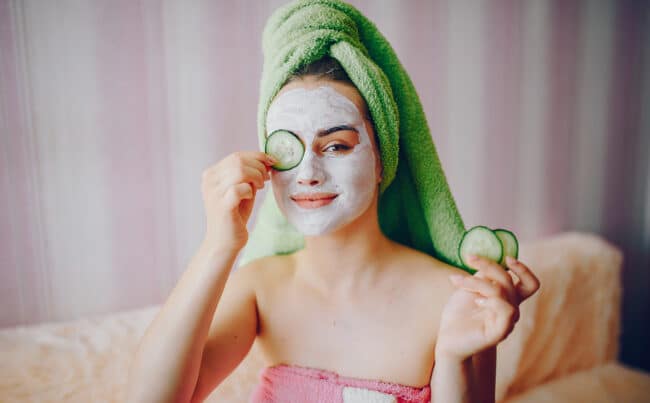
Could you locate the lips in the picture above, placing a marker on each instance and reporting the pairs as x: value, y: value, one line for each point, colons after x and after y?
x: 313, y: 200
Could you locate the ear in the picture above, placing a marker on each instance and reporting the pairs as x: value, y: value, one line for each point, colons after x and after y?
x: 379, y: 171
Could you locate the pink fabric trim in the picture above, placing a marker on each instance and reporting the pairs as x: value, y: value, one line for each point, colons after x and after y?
x: 294, y: 384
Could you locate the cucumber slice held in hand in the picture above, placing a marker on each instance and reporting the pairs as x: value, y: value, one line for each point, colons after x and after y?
x: 480, y: 241
x: 286, y: 148
x: 510, y: 244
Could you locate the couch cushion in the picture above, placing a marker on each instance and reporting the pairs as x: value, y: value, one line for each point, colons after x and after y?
x: 85, y: 360
x: 606, y: 383
x: 573, y: 321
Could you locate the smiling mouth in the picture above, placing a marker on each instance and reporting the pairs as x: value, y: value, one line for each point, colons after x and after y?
x: 313, y: 200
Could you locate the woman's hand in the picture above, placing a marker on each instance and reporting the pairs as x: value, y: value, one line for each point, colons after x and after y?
x: 229, y: 189
x: 484, y: 308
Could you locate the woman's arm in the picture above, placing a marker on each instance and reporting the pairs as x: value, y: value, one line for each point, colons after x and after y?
x: 232, y: 332
x: 180, y: 357
x: 469, y: 380
x: 168, y: 360
x: 453, y: 380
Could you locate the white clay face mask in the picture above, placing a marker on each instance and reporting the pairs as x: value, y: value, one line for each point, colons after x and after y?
x: 335, y: 182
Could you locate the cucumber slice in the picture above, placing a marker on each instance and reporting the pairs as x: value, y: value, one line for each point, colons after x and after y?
x: 480, y: 241
x: 510, y: 244
x: 285, y: 147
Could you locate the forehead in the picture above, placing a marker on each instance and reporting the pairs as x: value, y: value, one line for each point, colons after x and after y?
x: 311, y: 83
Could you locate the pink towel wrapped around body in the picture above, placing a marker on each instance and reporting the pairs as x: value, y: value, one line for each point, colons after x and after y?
x: 294, y: 384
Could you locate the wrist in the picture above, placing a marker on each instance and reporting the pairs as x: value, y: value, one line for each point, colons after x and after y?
x: 450, y: 357
x: 225, y: 240
x: 218, y: 248
x: 452, y: 379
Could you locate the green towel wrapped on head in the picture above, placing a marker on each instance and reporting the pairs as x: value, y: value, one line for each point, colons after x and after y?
x: 416, y: 207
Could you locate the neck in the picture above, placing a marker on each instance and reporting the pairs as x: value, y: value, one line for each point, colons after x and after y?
x: 347, y: 259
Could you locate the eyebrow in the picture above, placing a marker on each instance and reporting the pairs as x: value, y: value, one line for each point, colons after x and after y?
x: 323, y: 133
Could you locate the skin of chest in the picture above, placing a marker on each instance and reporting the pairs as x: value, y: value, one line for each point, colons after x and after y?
x: 385, y: 333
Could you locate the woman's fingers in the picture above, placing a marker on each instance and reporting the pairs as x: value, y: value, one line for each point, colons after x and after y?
x: 499, y: 293
x: 528, y: 282
x: 239, y: 174
x: 256, y: 175
x: 489, y: 270
x: 504, y: 316
x: 259, y: 161
x: 256, y: 160
x: 255, y: 155
x: 256, y: 165
x: 231, y: 170
x: 479, y: 285
x: 237, y: 193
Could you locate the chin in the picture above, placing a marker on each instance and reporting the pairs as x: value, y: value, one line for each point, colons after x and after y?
x: 325, y: 228
x: 315, y: 230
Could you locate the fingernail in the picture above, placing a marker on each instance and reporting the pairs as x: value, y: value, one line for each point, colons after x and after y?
x: 472, y: 257
x: 510, y: 260
x: 480, y: 301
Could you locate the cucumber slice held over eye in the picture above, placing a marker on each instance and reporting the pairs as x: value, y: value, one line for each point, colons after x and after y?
x: 480, y: 241
x: 510, y: 244
x: 286, y: 148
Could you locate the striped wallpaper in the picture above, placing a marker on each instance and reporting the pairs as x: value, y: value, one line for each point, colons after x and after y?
x: 110, y: 110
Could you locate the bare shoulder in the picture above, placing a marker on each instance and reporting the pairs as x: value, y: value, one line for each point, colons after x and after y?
x: 263, y: 273
x: 425, y: 273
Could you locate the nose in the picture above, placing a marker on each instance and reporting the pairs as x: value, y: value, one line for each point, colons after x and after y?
x: 311, y: 173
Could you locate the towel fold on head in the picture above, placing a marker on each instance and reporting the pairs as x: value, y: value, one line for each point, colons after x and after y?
x: 416, y: 207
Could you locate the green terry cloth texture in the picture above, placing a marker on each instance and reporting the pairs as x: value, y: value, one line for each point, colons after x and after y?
x: 415, y: 206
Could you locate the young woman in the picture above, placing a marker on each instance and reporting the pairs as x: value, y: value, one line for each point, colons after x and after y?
x: 351, y: 302
x: 353, y: 316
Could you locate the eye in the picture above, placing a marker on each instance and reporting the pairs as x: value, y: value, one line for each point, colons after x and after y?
x: 335, y: 148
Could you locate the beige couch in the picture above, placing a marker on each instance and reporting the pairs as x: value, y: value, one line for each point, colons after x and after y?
x: 563, y: 349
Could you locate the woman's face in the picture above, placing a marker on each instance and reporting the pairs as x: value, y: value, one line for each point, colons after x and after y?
x: 336, y: 181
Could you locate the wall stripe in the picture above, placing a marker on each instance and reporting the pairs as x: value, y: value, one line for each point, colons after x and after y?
x: 72, y: 187
x: 624, y: 118
x: 594, y: 64
x: 535, y: 81
x: 622, y: 222
x: 642, y: 281
x: 464, y: 95
x: 122, y: 72
x: 164, y: 232
x: 562, y: 110
x: 29, y: 241
x: 193, y: 140
x: 438, y: 116
x: 503, y: 64
x: 13, y: 165
x: 643, y: 153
